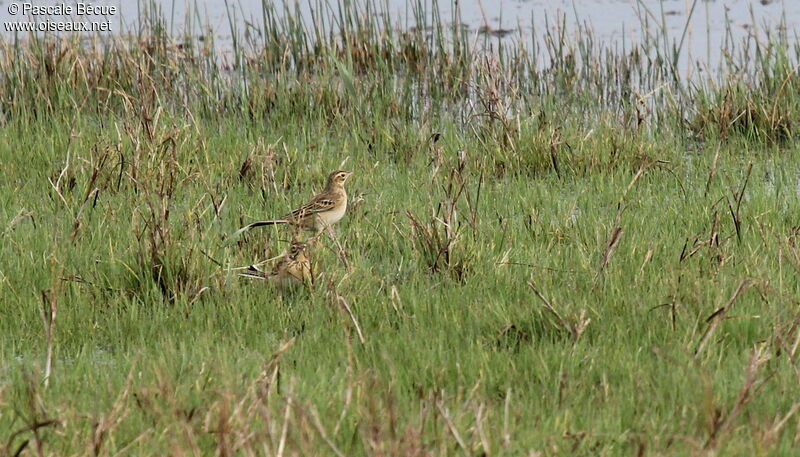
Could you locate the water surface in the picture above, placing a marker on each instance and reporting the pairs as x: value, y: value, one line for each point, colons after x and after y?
x: 617, y: 23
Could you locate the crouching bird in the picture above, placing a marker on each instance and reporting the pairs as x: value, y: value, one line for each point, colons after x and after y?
x: 293, y: 268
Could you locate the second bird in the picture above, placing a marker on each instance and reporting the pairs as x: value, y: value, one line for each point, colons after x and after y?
x: 293, y: 268
x: 321, y: 212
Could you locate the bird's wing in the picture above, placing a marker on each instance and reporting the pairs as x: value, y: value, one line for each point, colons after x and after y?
x: 317, y: 205
x: 300, y: 270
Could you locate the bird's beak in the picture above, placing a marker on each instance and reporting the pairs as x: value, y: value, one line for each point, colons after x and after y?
x: 349, y: 173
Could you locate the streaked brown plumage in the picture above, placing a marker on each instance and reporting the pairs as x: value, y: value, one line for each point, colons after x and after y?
x: 322, y: 211
x: 293, y: 268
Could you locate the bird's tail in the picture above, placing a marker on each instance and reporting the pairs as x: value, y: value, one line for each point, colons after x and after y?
x: 254, y: 272
x: 258, y: 224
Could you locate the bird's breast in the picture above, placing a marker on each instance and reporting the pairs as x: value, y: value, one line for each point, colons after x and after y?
x: 334, y: 215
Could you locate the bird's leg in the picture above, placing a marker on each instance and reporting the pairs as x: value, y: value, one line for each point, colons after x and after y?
x: 342, y: 254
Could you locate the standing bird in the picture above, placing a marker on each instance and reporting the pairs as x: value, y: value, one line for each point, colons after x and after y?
x: 324, y: 210
x: 293, y: 268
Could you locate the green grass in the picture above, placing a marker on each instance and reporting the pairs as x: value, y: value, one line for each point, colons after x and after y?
x: 539, y: 332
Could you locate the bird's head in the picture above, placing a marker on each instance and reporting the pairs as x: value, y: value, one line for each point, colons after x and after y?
x: 296, y: 249
x: 338, y: 178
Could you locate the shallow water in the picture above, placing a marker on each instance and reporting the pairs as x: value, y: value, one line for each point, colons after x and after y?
x: 617, y: 23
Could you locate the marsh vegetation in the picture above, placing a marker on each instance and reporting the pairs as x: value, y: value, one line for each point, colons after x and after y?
x: 559, y: 249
